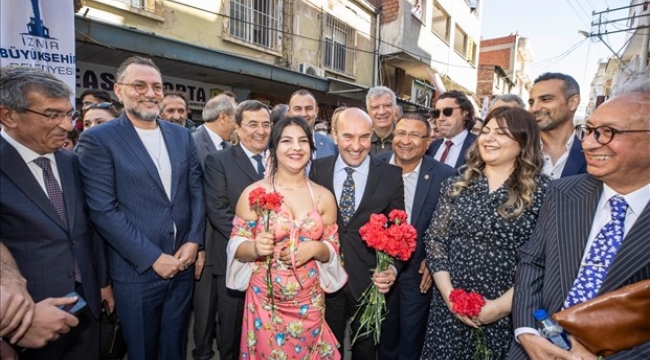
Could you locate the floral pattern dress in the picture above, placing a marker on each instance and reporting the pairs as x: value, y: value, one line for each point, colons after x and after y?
x: 295, y: 328
x: 470, y: 240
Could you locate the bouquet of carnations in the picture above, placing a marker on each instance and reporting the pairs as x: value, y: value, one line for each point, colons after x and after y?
x: 264, y: 204
x: 392, y: 238
x: 469, y: 304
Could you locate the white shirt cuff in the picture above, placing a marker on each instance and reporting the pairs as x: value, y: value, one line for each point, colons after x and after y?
x: 525, y: 330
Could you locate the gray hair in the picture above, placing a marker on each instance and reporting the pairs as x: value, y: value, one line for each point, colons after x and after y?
x: 378, y: 91
x: 217, y: 105
x: 139, y: 60
x: 638, y: 83
x: 16, y: 82
x: 508, y: 98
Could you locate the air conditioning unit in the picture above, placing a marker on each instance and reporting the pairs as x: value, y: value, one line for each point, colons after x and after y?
x: 312, y: 70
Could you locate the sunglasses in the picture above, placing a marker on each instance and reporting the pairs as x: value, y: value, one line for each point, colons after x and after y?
x: 445, y: 111
x: 104, y: 105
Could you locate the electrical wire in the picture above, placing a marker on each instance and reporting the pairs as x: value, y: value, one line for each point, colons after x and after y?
x: 576, y: 12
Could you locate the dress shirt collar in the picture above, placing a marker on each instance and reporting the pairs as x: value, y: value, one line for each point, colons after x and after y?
x: 340, y: 165
x: 415, y: 171
x: 636, y: 200
x: 459, y: 139
x: 26, y: 153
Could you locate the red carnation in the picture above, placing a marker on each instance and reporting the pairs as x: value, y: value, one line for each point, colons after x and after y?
x: 398, y: 216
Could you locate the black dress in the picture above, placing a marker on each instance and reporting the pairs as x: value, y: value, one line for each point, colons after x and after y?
x: 469, y: 239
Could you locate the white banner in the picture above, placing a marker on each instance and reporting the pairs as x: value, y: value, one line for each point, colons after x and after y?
x: 39, y: 33
x: 93, y: 76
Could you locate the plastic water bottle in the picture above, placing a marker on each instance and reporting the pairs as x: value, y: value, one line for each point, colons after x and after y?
x: 551, y: 330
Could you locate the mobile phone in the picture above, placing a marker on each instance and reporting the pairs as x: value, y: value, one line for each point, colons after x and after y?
x: 75, y: 307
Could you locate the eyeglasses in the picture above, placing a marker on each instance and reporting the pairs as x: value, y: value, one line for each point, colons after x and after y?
x: 604, y: 134
x: 255, y: 125
x: 58, y: 116
x: 445, y: 111
x: 104, y: 105
x: 142, y: 87
x: 403, y: 134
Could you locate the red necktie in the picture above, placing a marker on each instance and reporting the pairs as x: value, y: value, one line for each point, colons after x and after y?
x: 448, y: 145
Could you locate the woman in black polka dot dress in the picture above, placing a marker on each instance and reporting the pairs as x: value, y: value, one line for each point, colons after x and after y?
x: 482, y: 218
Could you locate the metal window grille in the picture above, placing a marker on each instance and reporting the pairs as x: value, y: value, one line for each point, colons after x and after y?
x: 339, y: 46
x: 135, y: 3
x: 254, y: 21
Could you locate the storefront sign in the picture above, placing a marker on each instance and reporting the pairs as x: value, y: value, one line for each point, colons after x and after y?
x: 39, y: 34
x: 93, y: 76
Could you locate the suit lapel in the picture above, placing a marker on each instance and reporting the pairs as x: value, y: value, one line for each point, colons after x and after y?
x: 575, y: 214
x: 469, y: 140
x: 18, y: 172
x: 132, y: 140
x: 206, y: 140
x: 66, y: 175
x: 633, y: 254
x: 371, y: 185
x: 576, y: 162
x: 421, y: 189
x: 242, y: 160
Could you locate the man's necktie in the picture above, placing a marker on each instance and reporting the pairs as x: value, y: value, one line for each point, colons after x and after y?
x: 346, y: 203
x: 601, y: 255
x: 223, y: 144
x: 56, y: 198
x: 260, y: 165
x: 448, y: 145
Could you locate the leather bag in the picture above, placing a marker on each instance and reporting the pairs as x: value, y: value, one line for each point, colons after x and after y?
x: 611, y: 322
x: 112, y: 344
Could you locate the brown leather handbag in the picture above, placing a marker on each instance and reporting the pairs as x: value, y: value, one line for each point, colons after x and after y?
x: 612, y: 322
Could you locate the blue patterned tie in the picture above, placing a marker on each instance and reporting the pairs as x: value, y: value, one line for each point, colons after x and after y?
x: 260, y: 165
x: 601, y: 255
x: 346, y: 203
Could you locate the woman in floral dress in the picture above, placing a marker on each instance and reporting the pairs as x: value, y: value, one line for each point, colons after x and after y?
x: 303, y: 243
x: 482, y: 218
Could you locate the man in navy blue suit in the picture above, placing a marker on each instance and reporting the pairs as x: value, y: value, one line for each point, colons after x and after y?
x: 43, y: 220
x: 553, y: 101
x: 408, y: 301
x: 143, y: 184
x: 303, y: 103
x: 454, y: 116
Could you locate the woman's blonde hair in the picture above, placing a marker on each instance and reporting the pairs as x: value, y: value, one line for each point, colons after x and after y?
x: 521, y: 184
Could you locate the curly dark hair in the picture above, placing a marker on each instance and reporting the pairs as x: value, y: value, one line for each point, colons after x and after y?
x: 465, y: 105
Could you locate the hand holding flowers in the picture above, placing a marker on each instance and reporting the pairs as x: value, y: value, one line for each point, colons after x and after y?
x: 392, y: 238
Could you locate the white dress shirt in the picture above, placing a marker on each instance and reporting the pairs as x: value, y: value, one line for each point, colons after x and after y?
x: 360, y: 176
x: 555, y: 170
x: 454, y: 151
x: 410, y: 185
x: 216, y: 139
x: 29, y: 156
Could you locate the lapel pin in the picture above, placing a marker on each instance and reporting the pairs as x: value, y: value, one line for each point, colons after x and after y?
x: 426, y: 177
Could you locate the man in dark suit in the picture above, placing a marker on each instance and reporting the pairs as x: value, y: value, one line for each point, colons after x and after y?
x: 142, y: 180
x: 408, y: 302
x: 227, y: 174
x: 553, y: 101
x: 454, y: 116
x: 303, y: 104
x: 592, y: 233
x: 43, y: 221
x: 376, y: 187
x: 214, y: 135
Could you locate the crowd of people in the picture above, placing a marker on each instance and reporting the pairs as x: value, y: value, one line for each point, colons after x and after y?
x: 131, y: 204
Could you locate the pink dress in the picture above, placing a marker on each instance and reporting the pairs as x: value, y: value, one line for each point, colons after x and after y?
x: 296, y: 329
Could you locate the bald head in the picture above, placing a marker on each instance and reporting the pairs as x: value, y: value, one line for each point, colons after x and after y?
x: 353, y: 135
